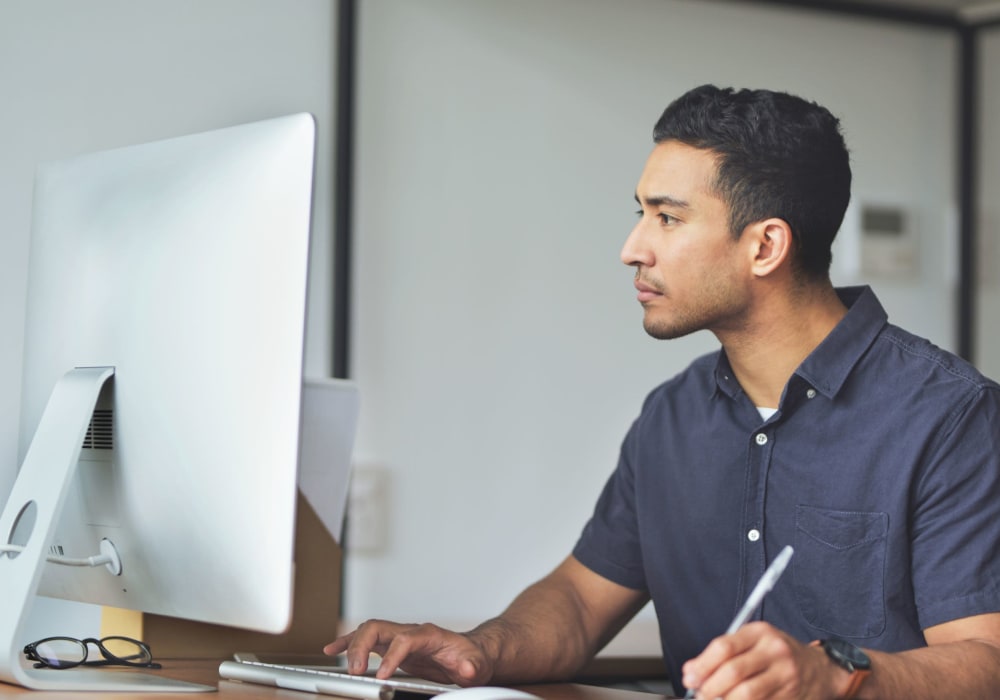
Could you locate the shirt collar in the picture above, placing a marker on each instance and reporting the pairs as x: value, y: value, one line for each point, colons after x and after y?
x: 827, y: 367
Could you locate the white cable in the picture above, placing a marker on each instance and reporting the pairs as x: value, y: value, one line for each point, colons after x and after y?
x: 96, y: 560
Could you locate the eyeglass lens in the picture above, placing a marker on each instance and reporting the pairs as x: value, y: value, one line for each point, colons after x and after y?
x: 60, y: 652
x: 125, y: 650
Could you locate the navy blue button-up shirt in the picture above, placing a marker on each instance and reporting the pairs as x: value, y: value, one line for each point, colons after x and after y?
x: 881, y: 467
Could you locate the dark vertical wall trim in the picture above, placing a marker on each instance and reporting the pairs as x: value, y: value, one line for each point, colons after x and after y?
x: 967, y: 186
x: 343, y: 202
x: 343, y: 189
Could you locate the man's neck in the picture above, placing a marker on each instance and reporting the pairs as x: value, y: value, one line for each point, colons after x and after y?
x: 782, y: 329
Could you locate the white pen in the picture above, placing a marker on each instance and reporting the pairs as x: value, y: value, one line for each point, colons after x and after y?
x: 762, y: 588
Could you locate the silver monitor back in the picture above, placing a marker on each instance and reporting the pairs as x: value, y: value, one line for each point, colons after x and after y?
x: 182, y: 265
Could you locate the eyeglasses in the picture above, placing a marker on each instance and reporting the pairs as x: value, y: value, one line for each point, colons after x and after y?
x: 67, y: 652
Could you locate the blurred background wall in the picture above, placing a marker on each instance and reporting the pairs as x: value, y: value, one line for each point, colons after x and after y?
x: 495, y: 334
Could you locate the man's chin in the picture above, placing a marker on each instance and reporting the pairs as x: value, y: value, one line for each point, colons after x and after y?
x: 665, y: 331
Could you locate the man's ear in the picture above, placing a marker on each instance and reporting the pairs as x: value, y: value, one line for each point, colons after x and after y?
x: 771, y: 245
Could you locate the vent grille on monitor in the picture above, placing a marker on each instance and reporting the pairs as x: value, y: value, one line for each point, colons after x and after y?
x: 100, y: 435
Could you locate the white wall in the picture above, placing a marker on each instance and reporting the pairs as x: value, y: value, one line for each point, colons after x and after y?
x: 497, y: 340
x: 81, y: 77
x: 988, y: 310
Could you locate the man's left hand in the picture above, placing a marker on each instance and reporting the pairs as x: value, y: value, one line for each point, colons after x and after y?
x: 760, y: 661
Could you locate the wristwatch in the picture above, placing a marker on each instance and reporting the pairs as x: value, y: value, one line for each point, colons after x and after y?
x: 850, y: 658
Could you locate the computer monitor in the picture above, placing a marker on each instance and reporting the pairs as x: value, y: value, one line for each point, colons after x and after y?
x: 162, y: 387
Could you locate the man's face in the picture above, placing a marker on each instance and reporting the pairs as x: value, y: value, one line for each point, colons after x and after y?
x: 689, y: 270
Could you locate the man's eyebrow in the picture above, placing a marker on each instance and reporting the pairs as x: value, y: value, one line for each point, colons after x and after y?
x: 663, y: 200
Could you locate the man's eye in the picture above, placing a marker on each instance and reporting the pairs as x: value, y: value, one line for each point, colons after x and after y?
x: 666, y: 219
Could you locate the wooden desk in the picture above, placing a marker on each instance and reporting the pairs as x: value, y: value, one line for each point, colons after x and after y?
x: 202, y: 671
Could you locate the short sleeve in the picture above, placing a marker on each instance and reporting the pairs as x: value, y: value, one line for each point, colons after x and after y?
x: 956, y: 517
x: 609, y: 544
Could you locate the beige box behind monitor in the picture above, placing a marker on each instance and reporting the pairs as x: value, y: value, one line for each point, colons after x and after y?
x: 315, y: 611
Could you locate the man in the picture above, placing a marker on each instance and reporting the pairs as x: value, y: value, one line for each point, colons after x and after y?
x: 817, y: 424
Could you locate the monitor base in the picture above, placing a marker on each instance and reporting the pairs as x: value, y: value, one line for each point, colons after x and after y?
x: 109, y: 680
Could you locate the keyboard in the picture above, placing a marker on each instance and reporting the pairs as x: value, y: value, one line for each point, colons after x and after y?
x: 318, y: 680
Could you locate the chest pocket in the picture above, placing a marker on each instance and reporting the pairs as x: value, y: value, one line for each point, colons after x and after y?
x: 839, y: 570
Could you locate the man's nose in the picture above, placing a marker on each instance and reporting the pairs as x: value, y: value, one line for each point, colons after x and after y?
x: 635, y: 252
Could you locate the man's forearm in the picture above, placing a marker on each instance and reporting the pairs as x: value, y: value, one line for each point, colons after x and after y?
x: 540, y: 637
x: 966, y: 669
x: 556, y: 626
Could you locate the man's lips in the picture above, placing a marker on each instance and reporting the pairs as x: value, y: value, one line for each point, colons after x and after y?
x: 646, y: 292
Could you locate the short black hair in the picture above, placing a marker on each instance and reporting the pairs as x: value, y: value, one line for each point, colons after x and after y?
x: 778, y: 156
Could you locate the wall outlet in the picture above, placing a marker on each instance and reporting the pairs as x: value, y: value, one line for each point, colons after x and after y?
x: 367, y: 528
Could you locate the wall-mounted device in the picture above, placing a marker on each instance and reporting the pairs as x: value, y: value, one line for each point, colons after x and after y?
x: 889, y: 246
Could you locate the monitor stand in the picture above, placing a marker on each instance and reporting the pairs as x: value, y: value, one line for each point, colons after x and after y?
x: 29, y: 520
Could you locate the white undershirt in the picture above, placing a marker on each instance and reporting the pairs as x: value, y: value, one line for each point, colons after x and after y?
x: 766, y: 413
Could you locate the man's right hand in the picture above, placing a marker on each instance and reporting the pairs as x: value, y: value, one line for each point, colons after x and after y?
x: 548, y: 633
x: 426, y: 651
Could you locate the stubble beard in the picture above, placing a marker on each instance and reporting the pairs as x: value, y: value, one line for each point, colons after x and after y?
x: 721, y: 308
x: 669, y: 330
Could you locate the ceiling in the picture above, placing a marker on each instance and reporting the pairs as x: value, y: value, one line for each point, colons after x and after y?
x: 971, y: 12
x: 952, y: 5
x: 967, y: 8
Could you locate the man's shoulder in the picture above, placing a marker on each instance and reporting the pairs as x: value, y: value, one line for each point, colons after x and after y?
x: 910, y: 352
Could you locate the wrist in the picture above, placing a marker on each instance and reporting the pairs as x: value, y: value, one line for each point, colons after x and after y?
x: 851, y: 666
x: 489, y: 637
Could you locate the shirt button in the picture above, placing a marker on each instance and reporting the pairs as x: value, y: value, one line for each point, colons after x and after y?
x: 753, y: 535
x: 761, y: 439
x: 811, y: 394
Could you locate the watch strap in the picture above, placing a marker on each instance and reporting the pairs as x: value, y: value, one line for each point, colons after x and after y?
x: 858, y: 675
